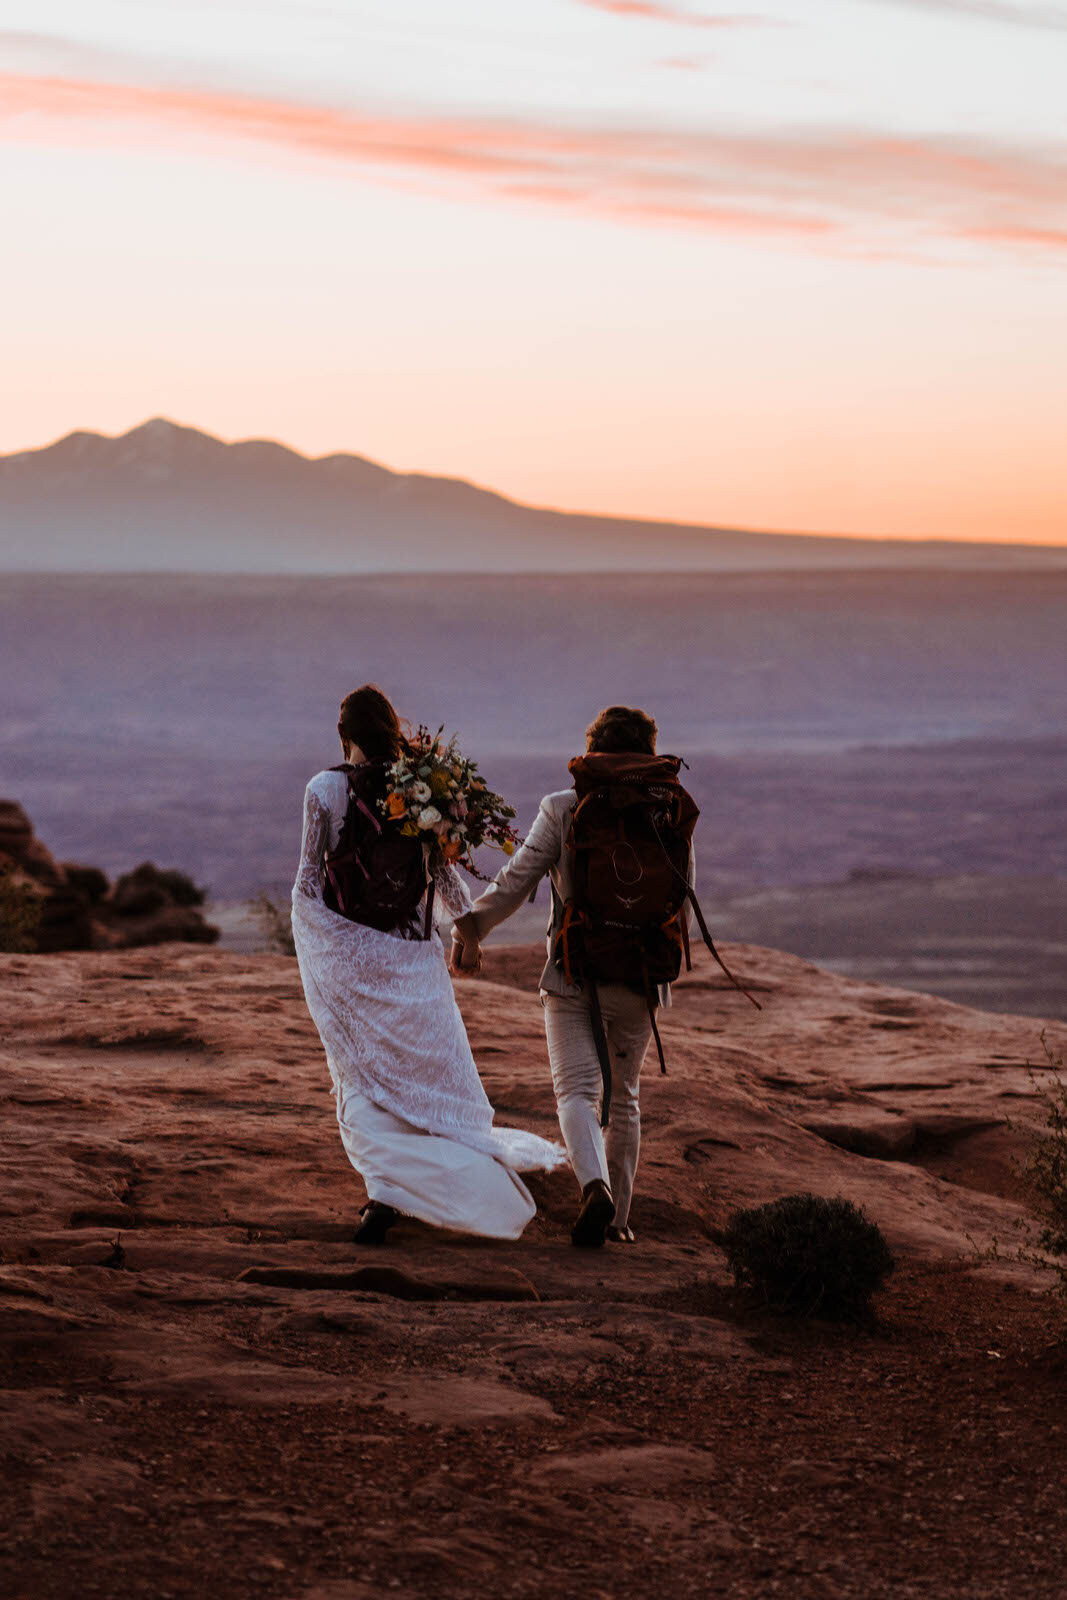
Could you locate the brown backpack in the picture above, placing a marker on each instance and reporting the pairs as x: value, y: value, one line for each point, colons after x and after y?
x: 627, y: 921
x: 377, y: 875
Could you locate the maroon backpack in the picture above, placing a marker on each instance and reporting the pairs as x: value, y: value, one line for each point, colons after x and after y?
x: 627, y: 921
x: 377, y: 875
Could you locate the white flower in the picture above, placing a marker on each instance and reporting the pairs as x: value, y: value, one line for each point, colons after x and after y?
x: 420, y: 792
x: 428, y: 816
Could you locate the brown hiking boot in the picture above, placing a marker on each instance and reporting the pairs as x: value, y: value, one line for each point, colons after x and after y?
x: 596, y: 1211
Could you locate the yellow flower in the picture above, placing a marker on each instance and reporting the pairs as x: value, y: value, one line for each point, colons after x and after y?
x: 438, y: 783
x: 410, y: 829
x: 508, y: 847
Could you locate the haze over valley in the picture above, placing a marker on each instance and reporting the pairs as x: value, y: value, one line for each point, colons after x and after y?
x: 879, y: 756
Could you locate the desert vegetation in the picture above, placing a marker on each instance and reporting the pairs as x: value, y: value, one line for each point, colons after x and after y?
x: 806, y: 1254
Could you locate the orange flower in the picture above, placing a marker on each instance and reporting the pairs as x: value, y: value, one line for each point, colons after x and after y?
x: 396, y: 805
x: 452, y: 850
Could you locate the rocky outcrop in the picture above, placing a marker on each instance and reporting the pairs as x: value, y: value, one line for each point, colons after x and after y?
x: 51, y: 906
x: 205, y: 1386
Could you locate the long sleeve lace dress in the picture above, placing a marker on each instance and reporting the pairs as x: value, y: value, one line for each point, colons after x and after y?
x: 415, y: 1121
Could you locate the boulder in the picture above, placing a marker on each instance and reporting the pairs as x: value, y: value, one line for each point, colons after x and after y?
x: 80, y: 910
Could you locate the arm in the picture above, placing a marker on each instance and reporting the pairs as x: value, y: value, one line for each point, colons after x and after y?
x: 313, y: 845
x: 515, y: 880
x: 451, y: 890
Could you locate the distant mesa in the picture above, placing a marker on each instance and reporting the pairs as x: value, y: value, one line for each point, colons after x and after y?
x: 167, y: 498
x: 48, y: 906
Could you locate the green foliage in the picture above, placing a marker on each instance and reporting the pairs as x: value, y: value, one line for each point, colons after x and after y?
x: 1045, y: 1171
x: 808, y: 1255
x: 275, y: 919
x: 20, y: 914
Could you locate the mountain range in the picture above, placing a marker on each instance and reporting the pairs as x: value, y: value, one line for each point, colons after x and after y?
x: 167, y: 498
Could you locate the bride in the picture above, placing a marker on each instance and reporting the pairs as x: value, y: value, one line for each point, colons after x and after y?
x: 415, y: 1120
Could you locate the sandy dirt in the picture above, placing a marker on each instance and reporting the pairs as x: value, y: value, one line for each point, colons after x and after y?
x: 207, y: 1389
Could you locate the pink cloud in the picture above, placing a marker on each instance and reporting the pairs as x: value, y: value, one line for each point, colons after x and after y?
x: 656, y: 11
x: 821, y: 185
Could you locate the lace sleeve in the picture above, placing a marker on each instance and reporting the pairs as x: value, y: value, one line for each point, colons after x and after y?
x: 452, y: 893
x: 313, y: 847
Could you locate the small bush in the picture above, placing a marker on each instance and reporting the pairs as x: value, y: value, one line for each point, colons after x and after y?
x: 808, y: 1255
x: 1045, y: 1175
x: 276, y: 920
x: 20, y: 914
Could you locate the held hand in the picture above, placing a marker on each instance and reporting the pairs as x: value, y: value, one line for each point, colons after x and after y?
x: 466, y: 947
x: 466, y: 958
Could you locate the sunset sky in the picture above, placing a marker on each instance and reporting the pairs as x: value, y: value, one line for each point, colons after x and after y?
x: 799, y: 264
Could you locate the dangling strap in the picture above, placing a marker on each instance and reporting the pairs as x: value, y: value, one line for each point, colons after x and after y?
x: 431, y: 886
x: 709, y: 941
x: 684, y: 924
x: 571, y: 917
x: 600, y: 1039
x: 332, y: 876
x: 651, y: 1003
x: 361, y: 805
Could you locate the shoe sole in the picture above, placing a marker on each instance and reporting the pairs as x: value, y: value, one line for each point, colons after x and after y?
x: 590, y: 1230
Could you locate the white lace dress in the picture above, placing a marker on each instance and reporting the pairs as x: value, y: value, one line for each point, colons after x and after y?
x: 415, y: 1120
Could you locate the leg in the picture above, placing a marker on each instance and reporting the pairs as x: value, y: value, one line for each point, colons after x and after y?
x: 577, y: 1084
x: 579, y: 1087
x: 629, y: 1030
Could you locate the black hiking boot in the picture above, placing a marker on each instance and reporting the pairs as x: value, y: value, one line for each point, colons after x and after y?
x: 596, y: 1211
x: 375, y: 1220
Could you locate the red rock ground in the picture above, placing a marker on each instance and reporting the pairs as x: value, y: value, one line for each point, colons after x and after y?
x: 237, y: 1401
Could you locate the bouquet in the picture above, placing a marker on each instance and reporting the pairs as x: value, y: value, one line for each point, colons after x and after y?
x: 438, y: 795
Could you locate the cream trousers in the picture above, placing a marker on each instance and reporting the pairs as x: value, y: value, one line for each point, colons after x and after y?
x: 578, y: 1085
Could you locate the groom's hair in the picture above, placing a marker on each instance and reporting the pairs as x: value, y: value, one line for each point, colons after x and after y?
x: 621, y: 730
x: 368, y: 720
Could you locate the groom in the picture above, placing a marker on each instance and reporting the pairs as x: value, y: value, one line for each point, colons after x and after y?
x: 605, y: 1167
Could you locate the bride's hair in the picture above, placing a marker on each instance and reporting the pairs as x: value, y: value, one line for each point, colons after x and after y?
x: 368, y: 720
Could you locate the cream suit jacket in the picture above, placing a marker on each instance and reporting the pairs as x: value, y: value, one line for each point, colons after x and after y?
x: 544, y: 852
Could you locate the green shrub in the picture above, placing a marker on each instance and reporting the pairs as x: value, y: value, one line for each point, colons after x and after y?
x: 20, y: 914
x: 808, y: 1255
x: 276, y: 920
x: 1045, y: 1172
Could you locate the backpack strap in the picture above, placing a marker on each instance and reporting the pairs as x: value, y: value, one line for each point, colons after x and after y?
x: 570, y: 922
x: 684, y: 924
x: 651, y: 1002
x: 709, y: 941
x: 430, y: 891
x: 702, y: 925
x: 600, y: 1039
